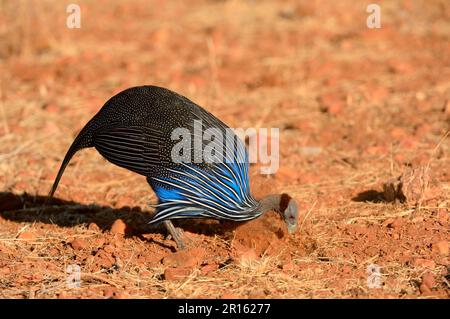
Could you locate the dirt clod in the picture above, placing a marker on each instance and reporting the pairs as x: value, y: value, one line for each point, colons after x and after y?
x: 79, y: 244
x: 441, y: 247
x: 414, y: 185
x: 393, y: 222
x: 185, y: 258
x: 332, y: 103
x: 209, y: 268
x: 172, y: 274
x: 428, y: 282
x: 424, y: 289
x: 93, y: 227
x: 267, y: 232
x: 119, y: 227
x: 111, y: 293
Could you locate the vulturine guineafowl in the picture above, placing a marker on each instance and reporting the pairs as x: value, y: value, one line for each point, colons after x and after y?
x: 135, y: 130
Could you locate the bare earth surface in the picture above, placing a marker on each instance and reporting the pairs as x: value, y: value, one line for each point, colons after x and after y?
x: 356, y: 107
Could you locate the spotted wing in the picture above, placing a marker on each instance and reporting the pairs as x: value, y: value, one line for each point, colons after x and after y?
x: 135, y: 148
x: 220, y: 190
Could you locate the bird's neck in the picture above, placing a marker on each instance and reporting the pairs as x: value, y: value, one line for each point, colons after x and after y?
x: 277, y: 202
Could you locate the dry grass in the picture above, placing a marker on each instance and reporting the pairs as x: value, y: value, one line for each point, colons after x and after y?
x: 264, y: 65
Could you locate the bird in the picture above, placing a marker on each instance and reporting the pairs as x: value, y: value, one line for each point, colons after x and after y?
x: 134, y: 130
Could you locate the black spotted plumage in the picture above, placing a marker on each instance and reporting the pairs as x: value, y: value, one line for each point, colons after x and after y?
x: 134, y: 130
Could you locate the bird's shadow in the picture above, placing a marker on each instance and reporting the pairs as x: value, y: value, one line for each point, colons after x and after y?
x: 34, y: 208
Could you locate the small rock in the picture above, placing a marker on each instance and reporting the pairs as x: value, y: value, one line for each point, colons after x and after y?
x: 118, y: 241
x: 332, y: 103
x: 104, y: 259
x: 78, y: 244
x: 397, y: 223
x: 185, y: 258
x: 118, y: 227
x: 52, y: 107
x: 441, y: 247
x: 424, y: 289
x: 414, y: 185
x: 209, y: 268
x: 110, y: 292
x: 172, y: 274
x: 393, y: 222
x: 26, y: 236
x: 428, y: 280
x: 93, y: 227
x: 388, y: 222
x: 443, y: 216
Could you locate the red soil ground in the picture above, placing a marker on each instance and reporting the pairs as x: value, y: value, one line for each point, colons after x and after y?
x: 356, y: 108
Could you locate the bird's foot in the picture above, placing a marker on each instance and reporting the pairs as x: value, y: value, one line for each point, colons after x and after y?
x: 176, y: 234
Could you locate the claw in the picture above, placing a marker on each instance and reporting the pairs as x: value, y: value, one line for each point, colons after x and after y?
x: 177, y: 234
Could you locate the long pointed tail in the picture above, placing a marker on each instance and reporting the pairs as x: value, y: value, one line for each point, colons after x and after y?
x: 83, y: 140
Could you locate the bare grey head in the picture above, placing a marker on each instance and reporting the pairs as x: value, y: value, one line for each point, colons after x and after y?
x: 285, y: 205
x: 290, y: 215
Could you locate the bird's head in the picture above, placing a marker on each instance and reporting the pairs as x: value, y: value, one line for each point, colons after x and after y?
x: 286, y: 206
x: 289, y: 212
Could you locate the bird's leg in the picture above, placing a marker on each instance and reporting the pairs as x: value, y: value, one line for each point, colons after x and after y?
x: 176, y: 234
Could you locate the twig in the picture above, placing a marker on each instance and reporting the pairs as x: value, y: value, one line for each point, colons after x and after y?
x: 22, y: 230
x: 306, y: 216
